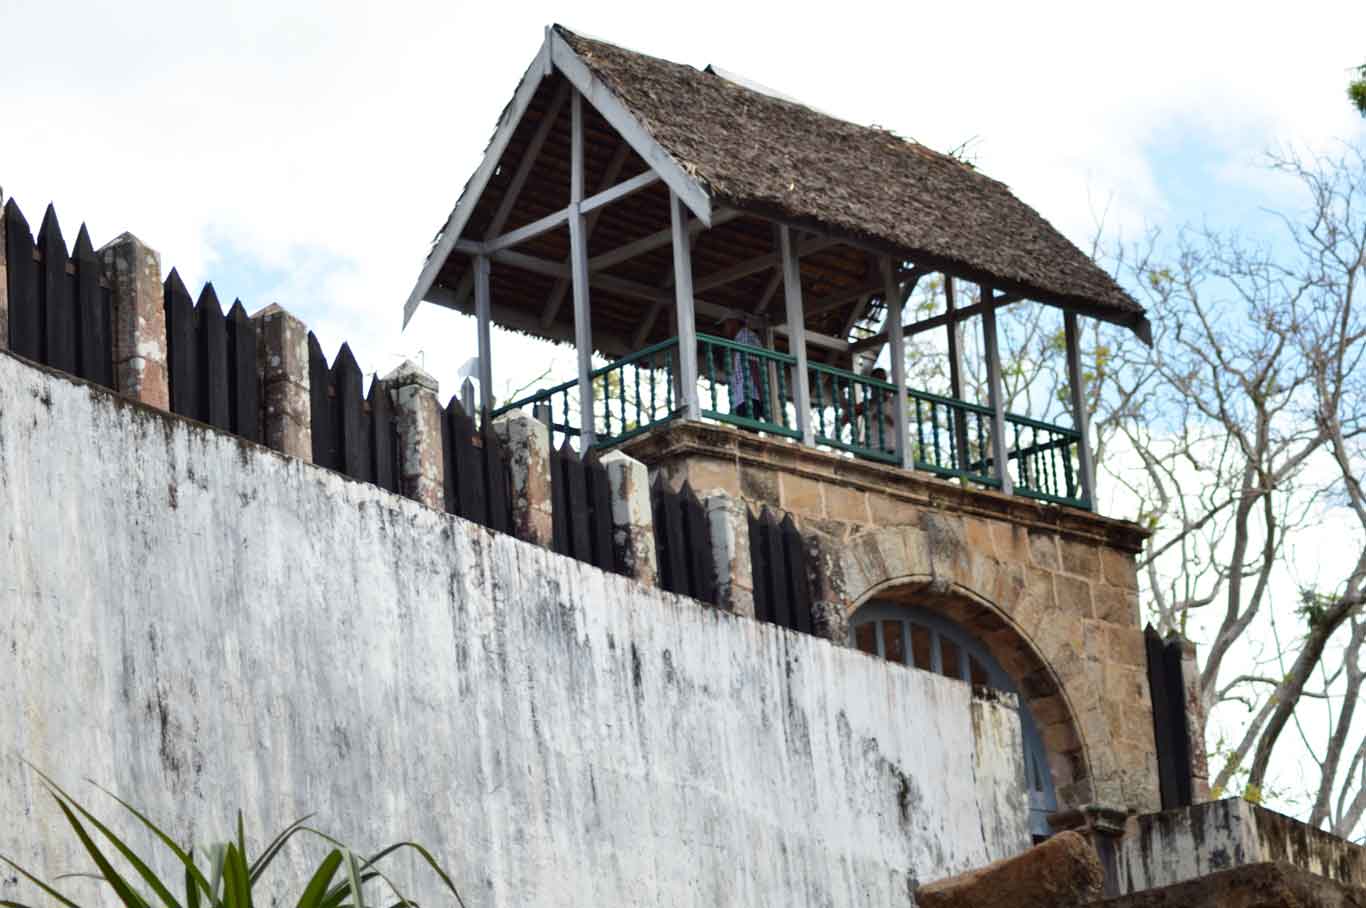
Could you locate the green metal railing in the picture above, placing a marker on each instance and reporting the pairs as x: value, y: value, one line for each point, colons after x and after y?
x: 725, y: 367
x: 629, y: 396
x: 853, y: 412
x: 849, y: 412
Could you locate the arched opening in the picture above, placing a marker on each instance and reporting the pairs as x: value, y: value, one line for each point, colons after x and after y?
x: 921, y: 638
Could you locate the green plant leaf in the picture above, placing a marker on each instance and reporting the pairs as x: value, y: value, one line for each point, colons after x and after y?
x: 120, y: 886
x: 40, y: 884
x: 236, y: 879
x: 317, y: 886
x: 147, y: 874
x: 353, y: 876
x: 262, y: 862
x: 190, y: 868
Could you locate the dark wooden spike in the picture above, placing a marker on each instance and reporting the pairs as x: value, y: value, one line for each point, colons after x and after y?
x: 499, y: 478
x: 353, y: 454
x: 783, y: 612
x: 559, y: 501
x: 244, y: 382
x: 758, y: 559
x: 467, y: 466
x: 448, y: 462
x: 181, y: 347
x: 794, y: 562
x: 322, y: 415
x: 697, y: 539
x: 57, y: 312
x: 94, y: 342
x: 25, y: 309
x: 212, y: 373
x: 25, y: 327
x: 581, y: 540
x: 600, y: 514
x: 658, y: 519
x: 383, y: 436
x: 675, y: 544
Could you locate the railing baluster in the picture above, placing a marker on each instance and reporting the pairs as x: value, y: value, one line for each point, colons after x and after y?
x: 934, y: 434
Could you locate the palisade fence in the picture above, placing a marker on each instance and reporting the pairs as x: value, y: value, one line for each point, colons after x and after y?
x: 211, y: 360
x: 59, y: 304
x: 352, y: 434
x: 60, y: 314
x: 1169, y: 719
x: 683, y: 549
x: 581, y: 512
x: 782, y: 586
x: 478, y: 474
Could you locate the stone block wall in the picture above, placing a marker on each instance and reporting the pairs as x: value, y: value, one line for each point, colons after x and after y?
x: 1051, y: 591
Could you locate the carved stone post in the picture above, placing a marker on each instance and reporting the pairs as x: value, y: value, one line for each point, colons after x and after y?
x: 528, y: 446
x: 139, y: 320
x: 282, y: 360
x: 1195, y: 718
x: 422, y: 460
x: 728, y: 520
x: 633, y: 526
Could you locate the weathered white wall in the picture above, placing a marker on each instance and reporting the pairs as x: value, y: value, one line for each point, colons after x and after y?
x: 1160, y: 849
x: 199, y: 623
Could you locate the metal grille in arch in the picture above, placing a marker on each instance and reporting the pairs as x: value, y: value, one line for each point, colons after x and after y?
x: 922, y: 639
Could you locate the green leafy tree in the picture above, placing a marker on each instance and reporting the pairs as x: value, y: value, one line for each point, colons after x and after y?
x: 1356, y: 90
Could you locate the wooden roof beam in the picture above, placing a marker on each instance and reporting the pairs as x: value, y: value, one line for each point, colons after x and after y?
x: 444, y: 244
x: 620, y: 118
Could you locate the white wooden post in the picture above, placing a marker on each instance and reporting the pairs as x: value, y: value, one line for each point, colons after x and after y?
x: 796, y: 334
x: 1080, y: 419
x: 995, y: 393
x: 483, y: 306
x: 683, y: 302
x: 578, y: 253
x: 960, y: 426
x: 892, y: 292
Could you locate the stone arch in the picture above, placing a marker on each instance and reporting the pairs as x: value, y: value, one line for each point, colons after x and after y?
x: 1042, y: 692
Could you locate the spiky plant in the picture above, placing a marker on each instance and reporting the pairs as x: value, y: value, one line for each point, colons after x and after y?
x: 229, y: 876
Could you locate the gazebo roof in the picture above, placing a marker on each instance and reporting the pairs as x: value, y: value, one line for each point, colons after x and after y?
x: 726, y: 148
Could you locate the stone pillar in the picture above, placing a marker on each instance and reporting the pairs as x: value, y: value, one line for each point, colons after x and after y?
x: 282, y: 360
x: 139, y: 320
x: 728, y: 519
x: 633, y: 525
x: 528, y: 446
x: 422, y: 455
x: 1103, y: 826
x: 829, y: 604
x: 1195, y: 718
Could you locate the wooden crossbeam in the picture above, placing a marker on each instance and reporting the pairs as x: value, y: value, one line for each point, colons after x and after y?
x: 529, y: 158
x: 937, y: 321
x: 653, y: 241
x: 556, y: 218
x: 561, y: 289
x: 455, y: 224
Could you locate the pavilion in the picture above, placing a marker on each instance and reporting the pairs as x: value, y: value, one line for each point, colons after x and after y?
x: 624, y: 201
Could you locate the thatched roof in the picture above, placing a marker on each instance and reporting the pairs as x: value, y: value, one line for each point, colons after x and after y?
x: 760, y: 153
x: 740, y: 159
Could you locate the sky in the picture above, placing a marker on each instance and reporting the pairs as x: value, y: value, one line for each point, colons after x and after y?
x: 305, y: 153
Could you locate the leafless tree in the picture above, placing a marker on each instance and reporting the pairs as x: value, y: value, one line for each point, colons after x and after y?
x: 1237, y: 431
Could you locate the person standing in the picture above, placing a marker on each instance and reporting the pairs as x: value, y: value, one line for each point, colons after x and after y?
x: 746, y: 386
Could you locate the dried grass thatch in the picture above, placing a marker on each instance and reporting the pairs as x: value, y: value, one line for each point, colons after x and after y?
x: 760, y: 153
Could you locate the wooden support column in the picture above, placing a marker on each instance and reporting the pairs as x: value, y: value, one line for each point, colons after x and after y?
x: 960, y: 426
x: 483, y: 312
x: 796, y: 334
x: 578, y: 254
x: 995, y: 393
x: 1076, y: 380
x: 683, y: 302
x: 892, y: 295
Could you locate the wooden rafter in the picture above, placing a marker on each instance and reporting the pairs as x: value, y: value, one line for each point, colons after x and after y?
x: 464, y: 207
